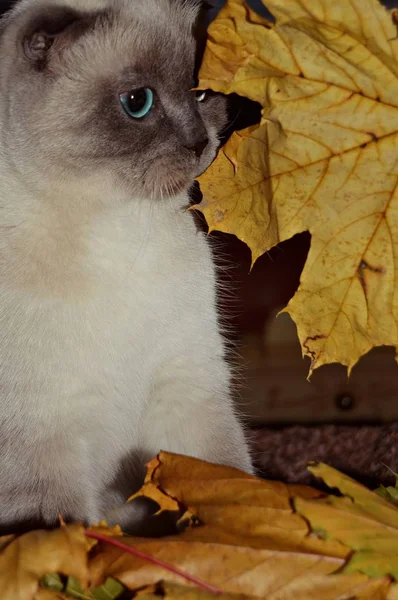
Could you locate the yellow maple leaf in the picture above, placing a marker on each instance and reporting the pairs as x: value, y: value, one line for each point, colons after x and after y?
x: 324, y: 159
x: 361, y: 519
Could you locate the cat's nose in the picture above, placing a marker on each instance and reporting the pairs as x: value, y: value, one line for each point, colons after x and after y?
x: 198, y: 147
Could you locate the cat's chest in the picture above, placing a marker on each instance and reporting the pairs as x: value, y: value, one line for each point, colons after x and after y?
x: 111, y: 323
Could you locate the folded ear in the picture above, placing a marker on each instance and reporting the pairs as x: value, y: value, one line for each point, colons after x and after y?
x: 56, y: 27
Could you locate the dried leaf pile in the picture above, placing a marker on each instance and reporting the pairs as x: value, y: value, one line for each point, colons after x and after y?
x: 324, y: 159
x: 244, y: 538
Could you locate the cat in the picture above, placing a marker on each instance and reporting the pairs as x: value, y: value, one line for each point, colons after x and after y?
x: 110, y: 348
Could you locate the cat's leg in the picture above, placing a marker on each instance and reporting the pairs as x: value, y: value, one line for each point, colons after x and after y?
x: 71, y: 478
x: 137, y: 517
x: 69, y: 475
x: 193, y: 414
x: 34, y: 503
x: 186, y: 416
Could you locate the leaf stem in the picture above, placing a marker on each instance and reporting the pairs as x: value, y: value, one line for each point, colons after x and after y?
x: 155, y: 561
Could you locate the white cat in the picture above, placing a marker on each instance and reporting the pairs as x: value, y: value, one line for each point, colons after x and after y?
x: 109, y: 343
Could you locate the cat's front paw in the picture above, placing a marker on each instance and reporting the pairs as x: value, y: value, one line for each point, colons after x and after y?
x: 139, y: 518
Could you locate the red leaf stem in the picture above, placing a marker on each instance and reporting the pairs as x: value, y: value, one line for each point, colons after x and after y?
x: 155, y: 561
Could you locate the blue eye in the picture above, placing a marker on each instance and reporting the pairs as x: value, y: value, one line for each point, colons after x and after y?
x: 137, y: 103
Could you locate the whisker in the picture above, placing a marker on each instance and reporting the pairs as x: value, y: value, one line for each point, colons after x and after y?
x: 230, y: 123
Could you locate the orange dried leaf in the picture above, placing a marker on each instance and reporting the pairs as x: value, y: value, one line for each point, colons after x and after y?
x: 249, y: 540
x: 234, y: 569
x: 180, y: 592
x: 237, y: 508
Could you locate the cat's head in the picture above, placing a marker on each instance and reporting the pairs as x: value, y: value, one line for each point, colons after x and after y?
x: 102, y: 88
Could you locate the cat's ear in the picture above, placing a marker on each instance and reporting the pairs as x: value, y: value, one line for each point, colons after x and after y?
x: 57, y: 27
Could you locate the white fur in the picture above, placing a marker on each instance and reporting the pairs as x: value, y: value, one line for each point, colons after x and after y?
x: 130, y: 359
x: 109, y: 341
